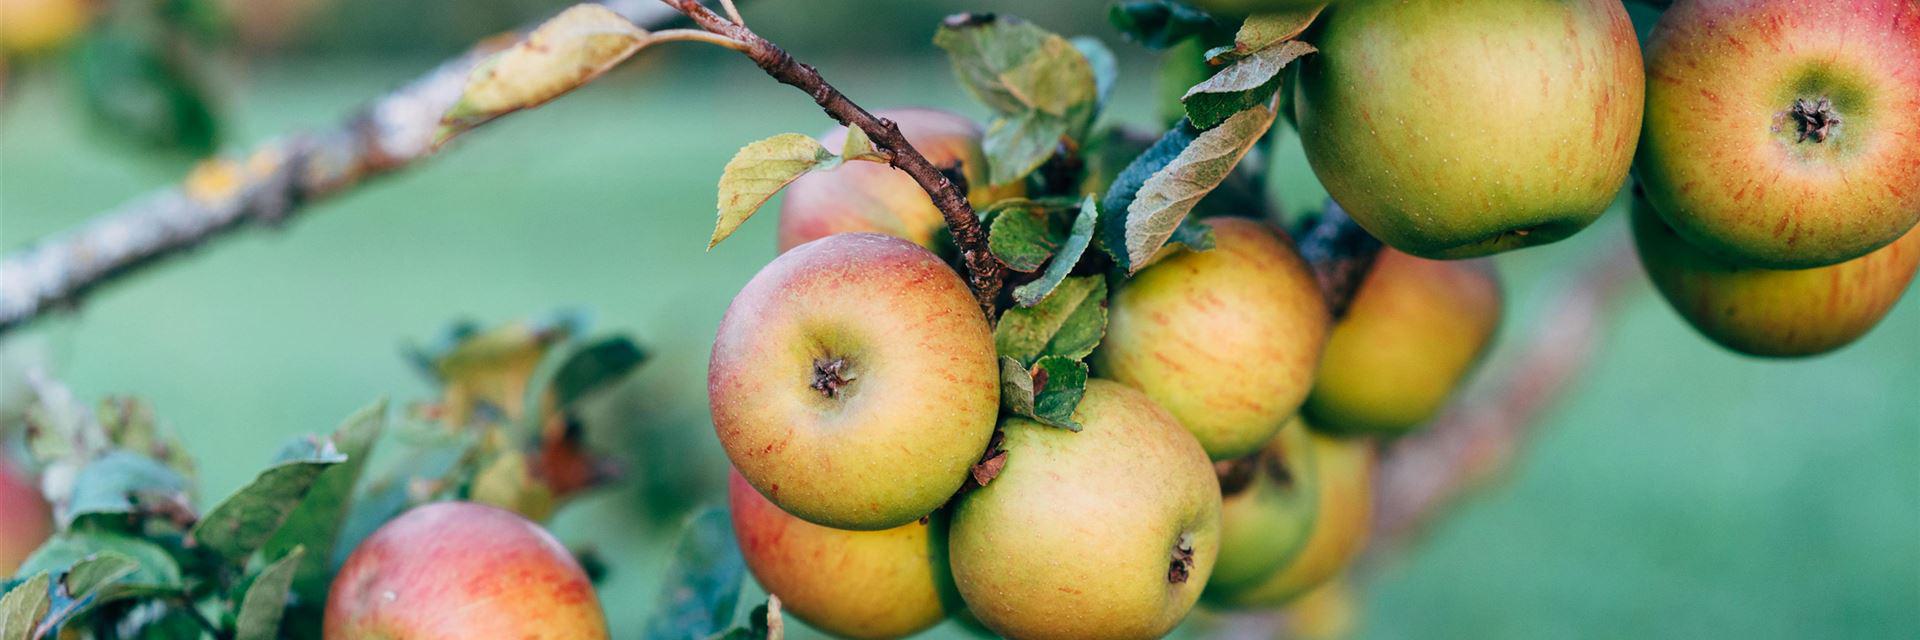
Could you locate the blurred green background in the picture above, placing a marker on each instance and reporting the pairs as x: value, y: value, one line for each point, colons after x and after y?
x: 1679, y: 490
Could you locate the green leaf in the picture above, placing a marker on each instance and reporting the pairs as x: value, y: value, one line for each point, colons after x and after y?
x: 1164, y: 199
x: 1069, y: 323
x: 760, y: 170
x: 153, y: 565
x: 1106, y: 68
x: 1247, y: 83
x: 1021, y: 234
x: 315, y: 525
x: 429, y: 456
x: 23, y: 606
x: 1265, y: 30
x: 266, y: 598
x: 1158, y: 24
x: 138, y: 86
x: 111, y: 484
x: 595, y: 366
x: 244, y: 522
x: 702, y: 581
x: 1078, y: 238
x: 1017, y: 145
x: 564, y: 53
x: 98, y: 570
x: 1126, y: 188
x: 1014, y: 67
x: 1048, y: 391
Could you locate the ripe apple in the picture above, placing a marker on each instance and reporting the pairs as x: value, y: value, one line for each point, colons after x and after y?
x: 852, y: 584
x: 462, y: 570
x: 28, y: 521
x: 1459, y: 129
x: 854, y: 382
x: 1227, y: 340
x: 1771, y: 313
x: 868, y: 196
x: 1785, y: 134
x: 32, y: 27
x: 1343, y: 517
x: 1267, y: 512
x: 1110, y: 532
x: 1416, y: 328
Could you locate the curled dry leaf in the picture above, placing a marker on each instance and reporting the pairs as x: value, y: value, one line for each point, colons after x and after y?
x: 560, y: 55
x: 1263, y: 31
x: 1166, y: 198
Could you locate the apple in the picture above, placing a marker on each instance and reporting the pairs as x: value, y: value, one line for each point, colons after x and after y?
x: 29, y: 519
x: 852, y: 584
x: 1227, y: 340
x: 1343, y: 518
x: 1328, y: 612
x: 1456, y: 129
x: 461, y: 570
x: 1764, y: 312
x: 873, y: 197
x: 1267, y: 511
x: 33, y: 27
x: 1784, y: 134
x: 1110, y: 532
x: 1414, y: 331
x: 854, y: 382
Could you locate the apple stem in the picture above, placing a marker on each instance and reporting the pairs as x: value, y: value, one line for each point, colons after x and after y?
x: 985, y: 273
x: 830, y: 375
x: 1816, y: 119
x: 1181, y: 566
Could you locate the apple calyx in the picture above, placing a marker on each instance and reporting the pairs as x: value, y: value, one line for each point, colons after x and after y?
x: 830, y: 375
x: 1816, y: 119
x: 1181, y: 567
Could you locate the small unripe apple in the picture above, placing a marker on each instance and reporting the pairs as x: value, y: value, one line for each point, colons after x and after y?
x: 1267, y: 512
x: 30, y: 27
x: 1784, y: 134
x: 1414, y: 331
x: 1454, y: 129
x: 1110, y: 532
x: 852, y: 584
x: 1343, y: 518
x: 28, y: 520
x: 1771, y: 313
x: 1226, y: 339
x: 872, y: 197
x: 462, y: 570
x: 854, y: 382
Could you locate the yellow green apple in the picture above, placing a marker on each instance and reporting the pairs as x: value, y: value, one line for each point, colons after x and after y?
x: 1784, y: 134
x: 852, y: 584
x: 854, y: 382
x: 1764, y: 312
x: 28, y: 521
x: 1110, y: 532
x: 1226, y: 339
x: 1343, y: 518
x: 1455, y: 129
x: 877, y: 198
x: 1267, y: 511
x: 462, y: 570
x: 1414, y: 331
x: 31, y: 27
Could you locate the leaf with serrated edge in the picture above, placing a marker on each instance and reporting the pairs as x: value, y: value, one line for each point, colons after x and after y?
x: 1166, y: 197
x: 1012, y: 66
x: 760, y: 170
x: 860, y: 147
x: 701, y: 583
x: 1068, y: 323
x: 1078, y: 238
x: 316, y: 524
x: 1248, y: 82
x: 1058, y: 385
x: 1265, y: 30
x: 1022, y: 238
x: 266, y: 599
x: 22, y: 607
x: 1112, y: 235
x: 560, y: 55
x: 243, y: 522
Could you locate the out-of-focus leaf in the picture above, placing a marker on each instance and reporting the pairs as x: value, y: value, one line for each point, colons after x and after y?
x: 564, y: 53
x: 1013, y: 66
x: 1069, y: 323
x: 1106, y: 68
x: 485, y: 374
x: 243, y: 522
x: 506, y: 483
x: 764, y: 623
x: 429, y: 455
x: 702, y: 581
x: 1166, y: 197
x: 266, y: 599
x: 760, y: 170
x: 153, y: 565
x: 315, y: 525
x: 1048, y: 391
x: 1247, y: 83
x: 594, y: 366
x: 1017, y: 145
x: 112, y: 484
x: 139, y: 87
x: 1158, y: 24
x: 1075, y: 245
x: 98, y: 570
x: 23, y: 606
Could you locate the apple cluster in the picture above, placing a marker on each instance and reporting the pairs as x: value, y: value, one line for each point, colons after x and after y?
x: 1225, y: 448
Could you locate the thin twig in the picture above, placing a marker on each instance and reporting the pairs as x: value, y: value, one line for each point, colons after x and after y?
x: 985, y: 273
x: 733, y: 13
x: 276, y: 181
x: 696, y: 35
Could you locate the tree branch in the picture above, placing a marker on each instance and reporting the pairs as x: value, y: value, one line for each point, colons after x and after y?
x: 984, y: 272
x: 276, y: 181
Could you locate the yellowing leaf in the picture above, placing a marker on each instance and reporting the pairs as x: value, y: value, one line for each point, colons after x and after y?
x: 560, y: 55
x: 1247, y: 82
x: 1167, y: 196
x: 509, y: 484
x: 860, y: 147
x: 760, y: 170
